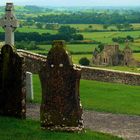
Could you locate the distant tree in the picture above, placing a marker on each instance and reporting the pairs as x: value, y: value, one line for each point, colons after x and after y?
x: 119, y: 26
x: 26, y: 45
x: 128, y: 26
x: 67, y: 30
x: 105, y: 26
x: 100, y: 47
x: 39, y: 25
x: 84, y: 61
x: 123, y: 39
x: 130, y: 38
x: 77, y: 37
x: 90, y: 26
x: 52, y: 26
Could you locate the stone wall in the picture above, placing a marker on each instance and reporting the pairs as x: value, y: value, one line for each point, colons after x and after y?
x: 112, y: 76
x: 34, y: 62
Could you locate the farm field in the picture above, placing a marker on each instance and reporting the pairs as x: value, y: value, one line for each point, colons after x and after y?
x: 103, y: 97
x: 85, y: 50
x: 106, y: 37
x: 73, y: 48
x: 98, y: 26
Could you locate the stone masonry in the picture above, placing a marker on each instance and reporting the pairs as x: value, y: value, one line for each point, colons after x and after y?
x: 111, y: 55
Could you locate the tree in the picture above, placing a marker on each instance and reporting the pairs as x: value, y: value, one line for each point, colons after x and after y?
x: 100, y: 47
x: 67, y: 30
x: 84, y: 61
x: 39, y: 25
x: 26, y: 45
x: 90, y: 26
x: 119, y: 26
x: 105, y: 26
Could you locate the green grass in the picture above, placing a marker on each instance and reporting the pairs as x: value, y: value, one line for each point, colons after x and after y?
x: 74, y: 48
x: 104, y: 97
x: 137, y: 56
x: 98, y: 26
x: 13, y: 129
x: 108, y: 97
x: 106, y: 37
x: 86, y: 26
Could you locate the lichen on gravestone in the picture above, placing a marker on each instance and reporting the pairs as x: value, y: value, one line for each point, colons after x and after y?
x: 12, y: 87
x: 60, y: 107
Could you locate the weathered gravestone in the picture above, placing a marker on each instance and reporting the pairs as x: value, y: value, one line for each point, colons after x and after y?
x: 12, y: 83
x: 29, y: 87
x: 60, y: 107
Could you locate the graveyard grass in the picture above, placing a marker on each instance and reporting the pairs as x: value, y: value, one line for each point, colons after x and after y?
x: 103, y: 97
x: 11, y: 129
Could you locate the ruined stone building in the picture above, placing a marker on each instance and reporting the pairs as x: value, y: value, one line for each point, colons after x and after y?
x: 111, y: 55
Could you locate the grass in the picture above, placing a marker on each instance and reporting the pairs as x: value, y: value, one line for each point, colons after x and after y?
x: 98, y: 26
x: 73, y: 48
x: 103, y: 97
x: 106, y: 37
x: 13, y: 129
x: 108, y: 97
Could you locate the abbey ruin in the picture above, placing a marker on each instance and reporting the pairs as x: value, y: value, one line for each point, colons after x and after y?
x: 111, y: 55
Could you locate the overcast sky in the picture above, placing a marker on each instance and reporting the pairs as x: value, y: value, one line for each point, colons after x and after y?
x: 74, y: 2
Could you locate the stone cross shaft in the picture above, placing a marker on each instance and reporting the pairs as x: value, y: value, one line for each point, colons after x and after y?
x: 9, y: 23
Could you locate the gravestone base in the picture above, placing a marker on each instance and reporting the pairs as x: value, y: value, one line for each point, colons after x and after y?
x: 64, y: 129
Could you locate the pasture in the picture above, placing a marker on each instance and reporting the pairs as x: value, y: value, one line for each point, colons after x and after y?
x: 103, y: 97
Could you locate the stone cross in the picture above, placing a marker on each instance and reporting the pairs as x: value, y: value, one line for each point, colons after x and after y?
x: 9, y: 23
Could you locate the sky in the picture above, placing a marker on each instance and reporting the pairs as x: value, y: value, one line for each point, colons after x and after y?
x: 74, y: 2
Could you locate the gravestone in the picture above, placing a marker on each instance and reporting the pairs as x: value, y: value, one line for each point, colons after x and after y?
x: 12, y: 83
x: 60, y: 108
x: 29, y: 86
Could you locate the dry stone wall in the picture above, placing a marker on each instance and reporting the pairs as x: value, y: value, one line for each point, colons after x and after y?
x: 112, y: 76
x: 34, y: 62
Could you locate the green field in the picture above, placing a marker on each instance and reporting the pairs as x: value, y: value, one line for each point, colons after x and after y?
x: 85, y: 50
x: 104, y: 97
x: 106, y: 37
x: 73, y: 48
x: 14, y: 129
x: 83, y: 27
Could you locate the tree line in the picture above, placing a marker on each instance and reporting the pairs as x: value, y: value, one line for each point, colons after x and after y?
x: 90, y: 18
x: 66, y: 33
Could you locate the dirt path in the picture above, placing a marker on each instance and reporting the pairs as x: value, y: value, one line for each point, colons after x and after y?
x: 127, y: 127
